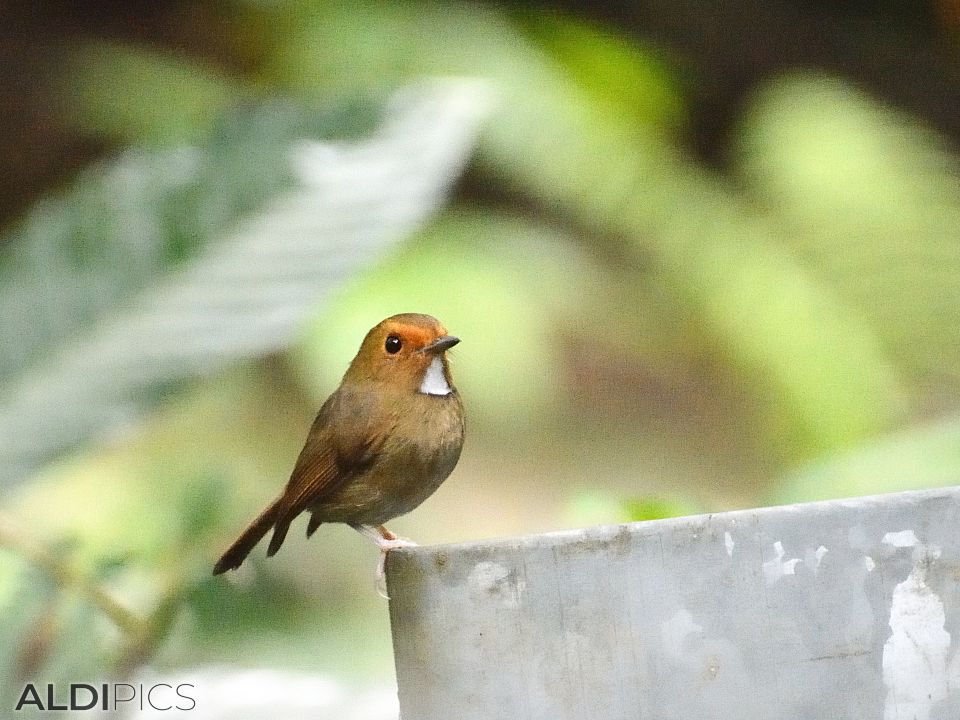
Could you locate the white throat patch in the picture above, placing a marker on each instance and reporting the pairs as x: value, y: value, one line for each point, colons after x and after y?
x: 434, y: 381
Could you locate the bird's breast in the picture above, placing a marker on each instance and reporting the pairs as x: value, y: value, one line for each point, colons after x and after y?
x: 426, y: 449
x: 419, y: 453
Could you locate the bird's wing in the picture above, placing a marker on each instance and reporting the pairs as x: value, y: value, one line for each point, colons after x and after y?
x: 341, y: 444
x: 343, y: 441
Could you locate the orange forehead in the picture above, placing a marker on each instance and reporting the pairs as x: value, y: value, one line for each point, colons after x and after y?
x: 413, y: 328
x: 374, y: 360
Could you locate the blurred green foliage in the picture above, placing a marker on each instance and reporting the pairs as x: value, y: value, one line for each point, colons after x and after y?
x: 114, y: 90
x: 643, y: 336
x: 473, y: 270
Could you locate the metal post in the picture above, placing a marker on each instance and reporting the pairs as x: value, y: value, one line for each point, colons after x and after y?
x: 845, y: 609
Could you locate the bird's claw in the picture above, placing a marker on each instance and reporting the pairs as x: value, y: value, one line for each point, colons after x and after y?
x: 395, y: 544
x: 386, y: 546
x: 381, y: 578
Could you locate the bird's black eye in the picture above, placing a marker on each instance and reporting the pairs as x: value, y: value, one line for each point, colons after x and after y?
x: 393, y: 344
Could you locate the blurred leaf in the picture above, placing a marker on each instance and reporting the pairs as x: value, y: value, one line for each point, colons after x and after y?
x: 628, y: 79
x: 167, y: 498
x: 914, y: 459
x: 870, y: 200
x: 268, y: 602
x: 24, y: 593
x: 73, y: 655
x: 597, y: 506
x: 593, y: 506
x: 47, y: 632
x: 201, y: 508
x: 139, y: 95
x: 168, y: 264
x: 657, y: 508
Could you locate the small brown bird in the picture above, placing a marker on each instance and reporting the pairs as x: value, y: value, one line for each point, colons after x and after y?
x: 382, y: 443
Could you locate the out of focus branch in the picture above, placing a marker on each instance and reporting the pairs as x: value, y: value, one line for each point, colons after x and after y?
x: 69, y: 578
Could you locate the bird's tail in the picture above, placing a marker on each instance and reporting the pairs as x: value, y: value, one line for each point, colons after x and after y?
x: 272, y: 517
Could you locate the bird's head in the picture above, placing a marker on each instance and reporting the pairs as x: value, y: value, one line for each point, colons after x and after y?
x: 406, y: 351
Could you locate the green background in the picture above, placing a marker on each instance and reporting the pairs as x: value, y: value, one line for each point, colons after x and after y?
x: 685, y: 282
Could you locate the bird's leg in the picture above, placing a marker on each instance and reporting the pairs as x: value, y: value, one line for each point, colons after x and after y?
x: 386, y: 541
x: 383, y: 538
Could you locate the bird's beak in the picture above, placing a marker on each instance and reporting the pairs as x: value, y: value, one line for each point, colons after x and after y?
x: 440, y: 345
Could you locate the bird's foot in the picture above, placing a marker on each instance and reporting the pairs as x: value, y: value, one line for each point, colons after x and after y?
x: 385, y: 541
x: 395, y: 544
x: 385, y: 547
x: 383, y: 538
x: 380, y: 579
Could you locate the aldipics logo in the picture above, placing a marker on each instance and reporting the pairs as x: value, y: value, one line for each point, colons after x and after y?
x: 107, y: 696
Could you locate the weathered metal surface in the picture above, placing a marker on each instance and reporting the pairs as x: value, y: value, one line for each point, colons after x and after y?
x: 841, y: 610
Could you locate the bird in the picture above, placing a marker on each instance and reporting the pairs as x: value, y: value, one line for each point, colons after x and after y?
x: 380, y: 445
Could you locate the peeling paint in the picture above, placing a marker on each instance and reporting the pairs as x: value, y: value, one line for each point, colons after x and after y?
x: 915, y: 654
x: 869, y: 563
x: 775, y: 569
x: 490, y: 579
x: 904, y: 538
x: 728, y: 542
x: 675, y: 631
x: 821, y: 551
